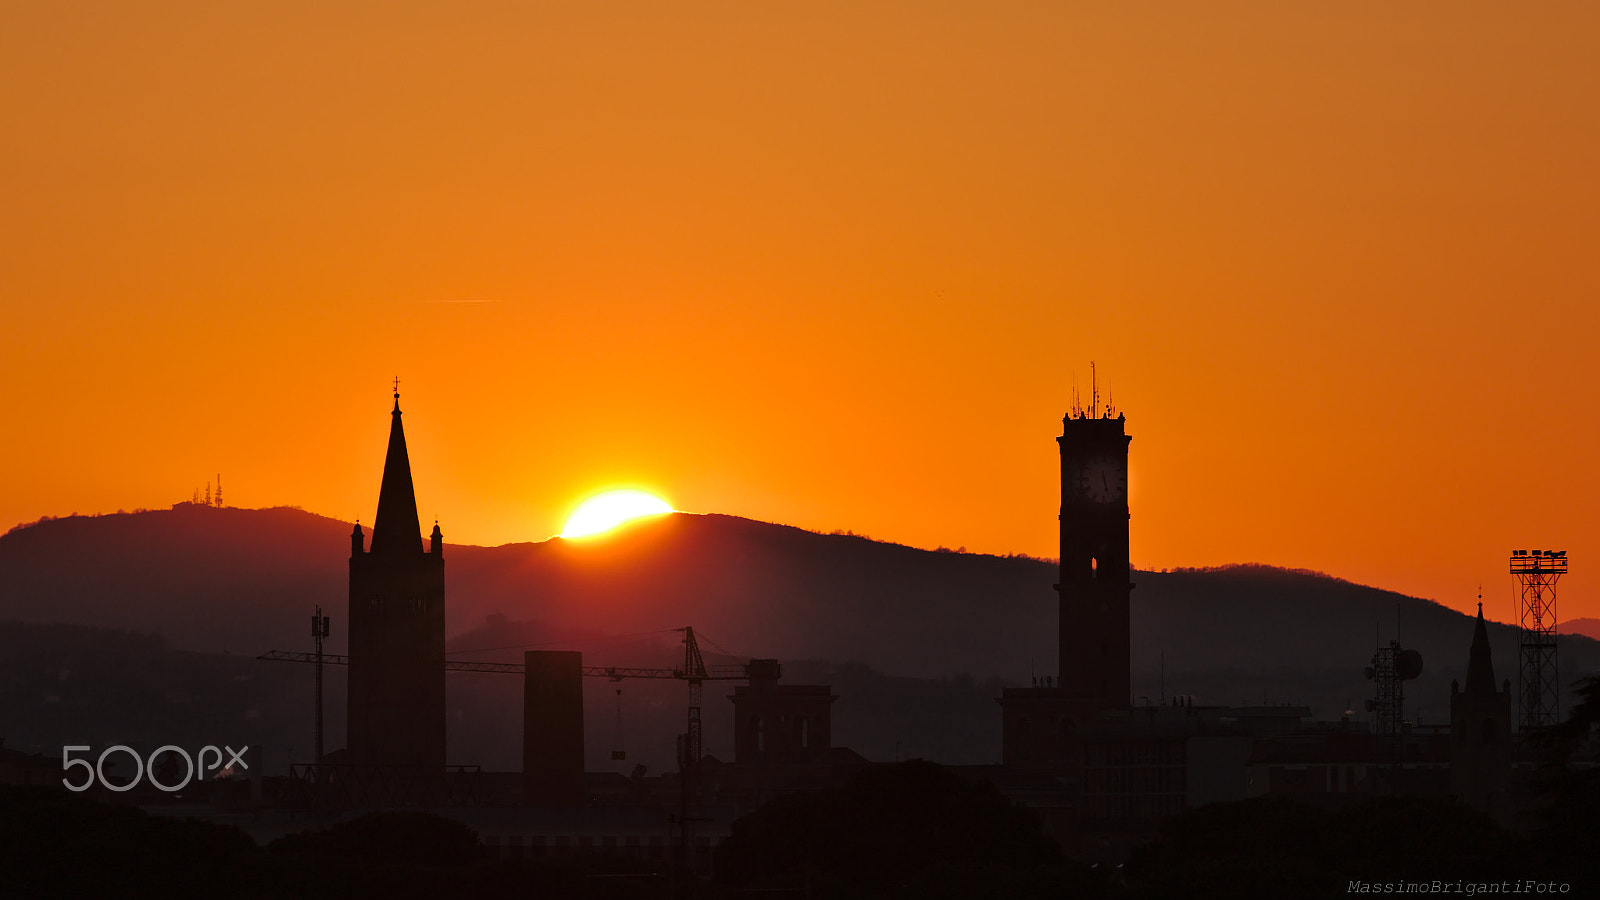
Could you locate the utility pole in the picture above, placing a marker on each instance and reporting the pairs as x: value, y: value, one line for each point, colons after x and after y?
x: 319, y: 631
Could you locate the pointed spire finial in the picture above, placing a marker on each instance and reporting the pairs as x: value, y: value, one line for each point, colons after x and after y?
x: 396, y: 528
x: 1480, y: 668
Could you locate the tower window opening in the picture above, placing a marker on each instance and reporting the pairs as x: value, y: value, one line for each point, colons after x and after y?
x: 758, y: 741
x: 1094, y: 567
x: 1068, y: 738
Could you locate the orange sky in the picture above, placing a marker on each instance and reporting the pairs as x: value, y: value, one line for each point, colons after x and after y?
x: 827, y: 264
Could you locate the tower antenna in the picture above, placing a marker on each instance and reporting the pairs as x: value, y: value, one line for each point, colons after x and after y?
x: 1094, y: 387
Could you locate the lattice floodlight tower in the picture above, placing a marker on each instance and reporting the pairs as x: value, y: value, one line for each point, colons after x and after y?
x: 1538, y: 684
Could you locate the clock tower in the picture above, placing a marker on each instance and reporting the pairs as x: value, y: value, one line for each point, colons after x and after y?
x: 1042, y: 724
x: 1094, y: 637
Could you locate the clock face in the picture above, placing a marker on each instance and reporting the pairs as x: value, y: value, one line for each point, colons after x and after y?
x: 1102, y: 481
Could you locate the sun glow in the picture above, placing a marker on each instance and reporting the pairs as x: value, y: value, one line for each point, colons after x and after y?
x: 604, y: 512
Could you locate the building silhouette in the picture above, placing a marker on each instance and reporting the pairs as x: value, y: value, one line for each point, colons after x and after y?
x: 1094, y: 633
x: 1480, y: 731
x: 1102, y: 773
x: 552, y: 728
x: 396, y: 621
x: 1043, y: 724
x: 781, y: 723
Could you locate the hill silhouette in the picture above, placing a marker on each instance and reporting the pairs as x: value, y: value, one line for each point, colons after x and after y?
x: 916, y: 642
x: 243, y: 581
x: 1589, y: 628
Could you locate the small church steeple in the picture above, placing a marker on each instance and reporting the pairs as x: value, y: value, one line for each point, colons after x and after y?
x: 437, y: 541
x: 397, y: 528
x: 1480, y: 731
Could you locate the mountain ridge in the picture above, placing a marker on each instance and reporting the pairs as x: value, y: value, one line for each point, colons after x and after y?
x: 917, y: 643
x: 242, y: 582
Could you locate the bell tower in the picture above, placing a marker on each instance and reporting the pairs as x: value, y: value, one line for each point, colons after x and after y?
x: 1094, y: 636
x: 396, y: 688
x: 1042, y: 724
x: 1480, y: 731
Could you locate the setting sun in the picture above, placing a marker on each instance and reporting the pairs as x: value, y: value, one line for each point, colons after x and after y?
x: 604, y: 512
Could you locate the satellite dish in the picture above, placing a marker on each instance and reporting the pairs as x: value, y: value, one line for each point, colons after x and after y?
x: 1408, y: 664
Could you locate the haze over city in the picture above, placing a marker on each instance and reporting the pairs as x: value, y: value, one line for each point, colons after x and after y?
x: 825, y: 265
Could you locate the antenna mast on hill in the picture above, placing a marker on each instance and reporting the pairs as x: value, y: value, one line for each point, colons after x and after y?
x: 218, y: 497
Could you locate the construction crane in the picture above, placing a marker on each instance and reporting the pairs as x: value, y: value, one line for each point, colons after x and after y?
x: 694, y: 671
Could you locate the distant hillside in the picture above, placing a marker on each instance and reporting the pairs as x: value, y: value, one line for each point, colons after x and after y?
x: 1589, y: 628
x: 203, y: 578
x: 244, y: 581
x: 72, y: 684
x: 1253, y: 633
x: 932, y: 635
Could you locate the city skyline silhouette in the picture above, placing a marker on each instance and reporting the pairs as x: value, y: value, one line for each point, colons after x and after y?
x: 730, y: 343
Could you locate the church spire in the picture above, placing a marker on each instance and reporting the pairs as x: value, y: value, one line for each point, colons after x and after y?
x: 397, y: 528
x: 1480, y: 669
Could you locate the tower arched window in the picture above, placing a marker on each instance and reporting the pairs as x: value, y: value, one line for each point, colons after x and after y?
x: 802, y: 732
x: 756, y: 737
x: 1068, y: 738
